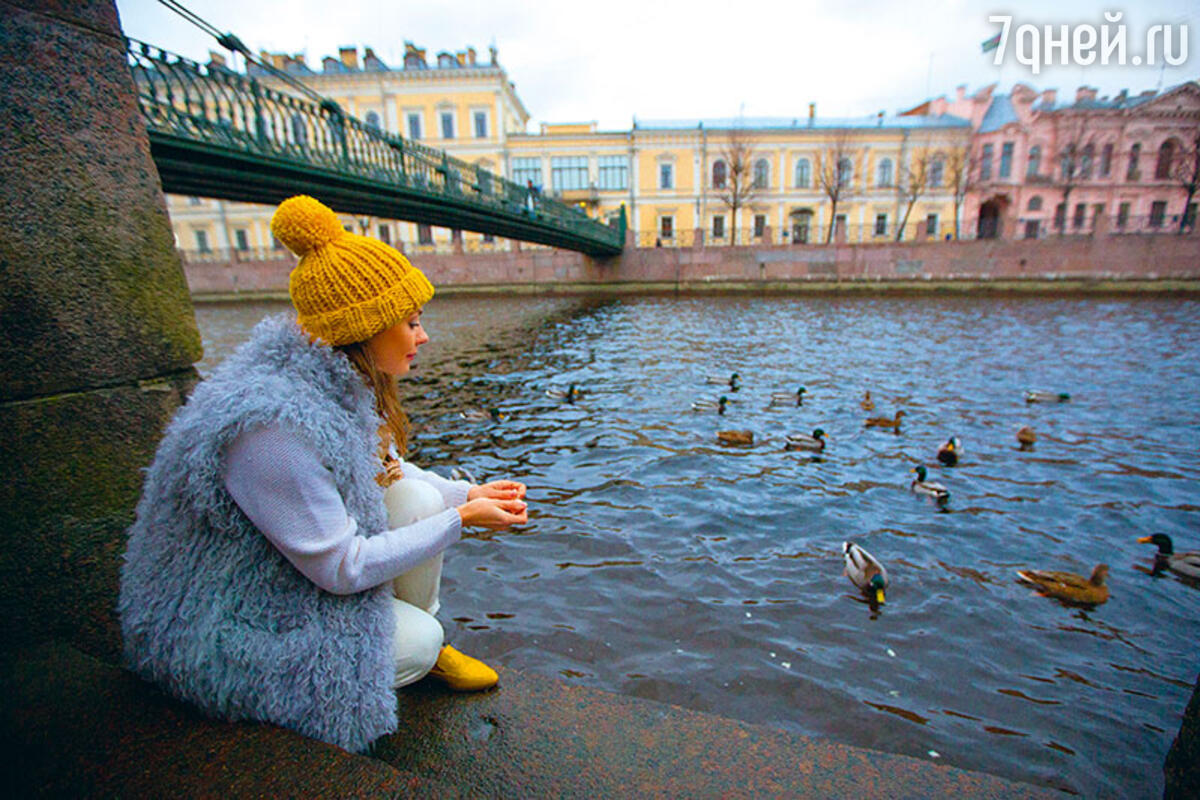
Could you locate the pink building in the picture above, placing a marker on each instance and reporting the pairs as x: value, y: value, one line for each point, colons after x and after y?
x: 1041, y: 167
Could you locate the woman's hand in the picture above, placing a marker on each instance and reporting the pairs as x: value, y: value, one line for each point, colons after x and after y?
x: 492, y: 513
x: 498, y: 490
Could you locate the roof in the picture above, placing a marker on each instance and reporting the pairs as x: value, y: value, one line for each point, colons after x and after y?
x: 800, y: 122
x: 1000, y: 113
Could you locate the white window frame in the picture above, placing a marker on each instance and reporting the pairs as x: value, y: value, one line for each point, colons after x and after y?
x: 669, y: 175
x: 612, y: 169
x: 409, y: 118
x: 443, y: 113
x: 487, y: 123
x: 807, y: 165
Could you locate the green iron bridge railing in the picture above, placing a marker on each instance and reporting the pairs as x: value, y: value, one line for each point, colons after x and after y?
x: 218, y: 133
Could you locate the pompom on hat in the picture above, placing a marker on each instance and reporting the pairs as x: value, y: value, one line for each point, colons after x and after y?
x: 346, y: 288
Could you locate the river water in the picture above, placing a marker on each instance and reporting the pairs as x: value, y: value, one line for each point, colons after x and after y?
x: 660, y: 564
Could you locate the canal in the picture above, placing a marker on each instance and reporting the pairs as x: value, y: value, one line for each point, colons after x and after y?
x: 659, y: 563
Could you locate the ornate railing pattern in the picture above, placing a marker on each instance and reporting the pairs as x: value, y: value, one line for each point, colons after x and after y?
x: 218, y: 109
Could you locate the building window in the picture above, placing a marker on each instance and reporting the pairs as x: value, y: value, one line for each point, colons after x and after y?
x: 1031, y: 229
x: 762, y: 174
x: 1035, y: 162
x: 414, y: 126
x: 1135, y: 154
x: 275, y: 243
x: 240, y: 240
x: 718, y: 174
x: 881, y: 224
x: 424, y: 234
x: 568, y: 172
x: 1158, y: 213
x: 718, y: 229
x: 385, y: 234
x: 845, y: 172
x: 1060, y: 216
x: 1006, y: 154
x: 372, y: 120
x: 884, y: 178
x: 839, y: 225
x: 666, y: 227
x: 613, y: 172
x: 1106, y: 161
x: 481, y: 125
x: 526, y: 171
x: 1166, y: 156
x: 1085, y: 163
x: 803, y: 174
x: 489, y: 238
x: 1122, y: 215
x: 760, y: 225
x: 1080, y: 215
x: 1097, y: 213
x: 447, y: 118
x: 931, y: 225
x: 202, y: 241
x: 985, y: 163
x: 666, y: 177
x: 801, y: 226
x: 1035, y: 203
x: 193, y: 201
x: 937, y: 171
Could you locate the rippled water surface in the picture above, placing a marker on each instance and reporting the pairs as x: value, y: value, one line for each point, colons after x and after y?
x: 661, y: 564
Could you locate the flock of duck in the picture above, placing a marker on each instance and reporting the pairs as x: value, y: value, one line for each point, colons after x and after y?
x: 870, y: 576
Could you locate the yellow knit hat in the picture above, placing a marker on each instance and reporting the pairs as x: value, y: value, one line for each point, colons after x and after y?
x: 346, y: 288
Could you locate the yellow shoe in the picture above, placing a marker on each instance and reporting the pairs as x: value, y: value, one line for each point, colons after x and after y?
x: 463, y: 673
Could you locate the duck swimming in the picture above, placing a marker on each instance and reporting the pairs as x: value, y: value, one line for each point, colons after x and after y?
x: 948, y: 453
x: 1026, y: 437
x: 711, y: 405
x: 865, y: 571
x: 934, y: 491
x: 570, y: 395
x: 482, y: 415
x: 1068, y: 586
x: 803, y: 441
x: 1184, y: 563
x: 735, y: 437
x: 1047, y: 397
x: 886, y: 422
x: 787, y: 398
x: 733, y: 381
x: 867, y: 403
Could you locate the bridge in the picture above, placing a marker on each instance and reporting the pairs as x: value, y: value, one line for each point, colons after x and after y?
x: 218, y: 133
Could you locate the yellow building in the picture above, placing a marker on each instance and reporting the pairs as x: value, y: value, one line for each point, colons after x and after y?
x: 683, y: 182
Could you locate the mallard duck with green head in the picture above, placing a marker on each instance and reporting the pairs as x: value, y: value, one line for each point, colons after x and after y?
x: 1069, y: 587
x: 865, y: 572
x: 949, y: 452
x: 923, y: 487
x: 1046, y: 397
x: 570, y: 394
x: 483, y: 415
x: 1187, y: 564
x: 788, y: 398
x: 733, y: 381
x: 717, y: 405
x: 803, y: 441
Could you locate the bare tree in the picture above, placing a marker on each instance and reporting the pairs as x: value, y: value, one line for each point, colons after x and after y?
x: 913, y: 183
x: 1075, y: 161
x: 1185, y: 170
x: 835, y: 175
x: 961, y: 180
x: 733, y: 175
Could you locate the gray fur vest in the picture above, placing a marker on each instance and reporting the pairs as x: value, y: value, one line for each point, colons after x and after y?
x: 210, y: 610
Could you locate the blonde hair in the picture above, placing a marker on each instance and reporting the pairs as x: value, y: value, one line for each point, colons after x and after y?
x: 387, y: 399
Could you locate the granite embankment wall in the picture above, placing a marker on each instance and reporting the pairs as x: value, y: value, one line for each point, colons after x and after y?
x: 1102, y: 258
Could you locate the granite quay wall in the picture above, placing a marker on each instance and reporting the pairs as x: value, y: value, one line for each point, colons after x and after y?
x: 1102, y: 258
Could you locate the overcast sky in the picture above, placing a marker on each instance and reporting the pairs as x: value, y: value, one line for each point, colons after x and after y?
x: 613, y: 60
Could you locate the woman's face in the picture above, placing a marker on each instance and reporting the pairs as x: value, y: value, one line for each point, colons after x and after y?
x: 394, y: 349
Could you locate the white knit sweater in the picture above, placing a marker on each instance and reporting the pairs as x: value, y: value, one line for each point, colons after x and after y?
x: 280, y: 484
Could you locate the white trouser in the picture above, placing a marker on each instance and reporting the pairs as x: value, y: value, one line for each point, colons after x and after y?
x: 418, y: 637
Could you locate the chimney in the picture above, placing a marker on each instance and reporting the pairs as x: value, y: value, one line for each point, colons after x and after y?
x: 215, y: 59
x: 494, y: 53
x: 1085, y: 93
x: 812, y: 114
x: 1049, y: 96
x: 349, y: 57
x: 471, y: 56
x: 879, y: 120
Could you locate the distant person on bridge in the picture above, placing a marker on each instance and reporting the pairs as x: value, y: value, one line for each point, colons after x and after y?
x: 285, y: 561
